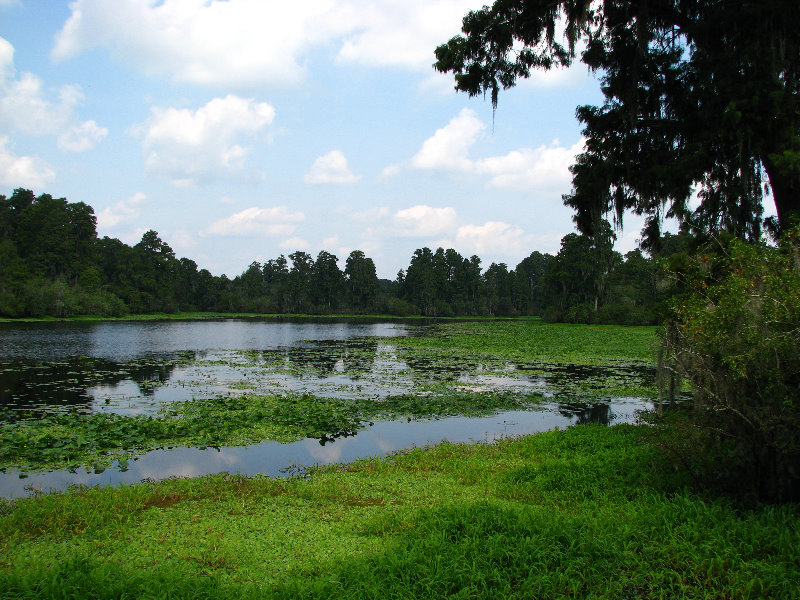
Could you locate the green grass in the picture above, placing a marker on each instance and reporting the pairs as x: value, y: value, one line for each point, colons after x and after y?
x: 589, y: 512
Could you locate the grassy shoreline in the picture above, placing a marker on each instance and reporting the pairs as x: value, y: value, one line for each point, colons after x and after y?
x: 587, y: 512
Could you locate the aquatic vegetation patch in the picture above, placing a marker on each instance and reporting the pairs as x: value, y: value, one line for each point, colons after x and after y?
x: 527, y: 339
x: 326, y: 389
x: 73, y: 440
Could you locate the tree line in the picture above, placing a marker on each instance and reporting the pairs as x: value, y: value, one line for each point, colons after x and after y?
x: 55, y: 264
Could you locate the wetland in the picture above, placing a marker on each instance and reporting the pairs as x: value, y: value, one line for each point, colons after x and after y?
x: 190, y: 436
x: 85, y: 403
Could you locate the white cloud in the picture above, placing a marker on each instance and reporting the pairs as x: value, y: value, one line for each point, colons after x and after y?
x: 403, y: 32
x: 25, y: 107
x: 82, y: 137
x: 448, y: 148
x: 575, y: 74
x: 493, y: 236
x: 294, y: 243
x: 391, y: 171
x: 425, y: 221
x: 22, y: 171
x: 188, y: 146
x: 241, y: 43
x: 546, y: 167
x: 122, y: 212
x: 331, y: 168
x: 6, y: 59
x: 251, y: 43
x: 182, y: 240
x: 277, y: 221
x: 330, y: 242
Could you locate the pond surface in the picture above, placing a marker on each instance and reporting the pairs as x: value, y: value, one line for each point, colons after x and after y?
x: 139, y: 367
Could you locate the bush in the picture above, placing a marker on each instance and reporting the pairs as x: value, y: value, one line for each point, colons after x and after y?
x: 735, y: 335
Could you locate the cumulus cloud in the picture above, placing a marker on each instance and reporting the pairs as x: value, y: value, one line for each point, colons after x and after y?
x: 425, y: 221
x: 187, y: 146
x: 543, y: 167
x: 123, y: 211
x: 253, y: 44
x: 6, y: 59
x: 82, y: 137
x: 448, y: 150
x: 22, y: 171
x: 403, y: 33
x: 276, y: 221
x: 26, y: 106
x: 294, y: 243
x: 331, y: 168
x: 493, y: 236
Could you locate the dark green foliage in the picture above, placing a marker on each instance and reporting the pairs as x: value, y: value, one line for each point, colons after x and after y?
x: 735, y: 335
x: 361, y: 282
x: 699, y: 94
x: 72, y: 272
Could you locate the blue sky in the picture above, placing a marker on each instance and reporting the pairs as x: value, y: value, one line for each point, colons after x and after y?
x: 244, y: 129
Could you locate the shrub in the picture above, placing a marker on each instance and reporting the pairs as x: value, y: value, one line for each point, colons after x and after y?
x: 735, y: 335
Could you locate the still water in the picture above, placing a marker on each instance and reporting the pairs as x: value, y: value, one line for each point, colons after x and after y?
x: 137, y: 367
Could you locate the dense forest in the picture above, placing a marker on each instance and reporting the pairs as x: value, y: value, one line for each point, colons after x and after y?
x: 54, y: 264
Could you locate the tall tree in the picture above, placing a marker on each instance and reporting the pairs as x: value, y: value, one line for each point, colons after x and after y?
x: 497, y: 284
x: 699, y: 94
x: 299, y: 281
x: 276, y: 278
x: 327, y: 281
x: 419, y: 285
x: 361, y: 281
x: 529, y: 283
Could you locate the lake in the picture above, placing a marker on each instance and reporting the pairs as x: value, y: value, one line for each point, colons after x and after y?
x: 132, y: 368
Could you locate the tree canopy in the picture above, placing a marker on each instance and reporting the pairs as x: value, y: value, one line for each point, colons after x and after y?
x: 701, y: 96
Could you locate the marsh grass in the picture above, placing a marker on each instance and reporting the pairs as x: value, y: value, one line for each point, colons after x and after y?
x: 588, y: 512
x: 531, y: 340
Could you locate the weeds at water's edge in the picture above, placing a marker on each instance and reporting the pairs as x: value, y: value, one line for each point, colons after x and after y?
x: 589, y: 512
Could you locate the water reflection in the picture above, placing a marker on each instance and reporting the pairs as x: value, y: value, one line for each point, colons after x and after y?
x: 124, y: 341
x: 135, y: 368
x: 599, y: 414
x: 276, y: 460
x: 33, y: 389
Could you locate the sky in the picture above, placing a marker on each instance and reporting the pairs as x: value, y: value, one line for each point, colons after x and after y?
x: 240, y: 130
